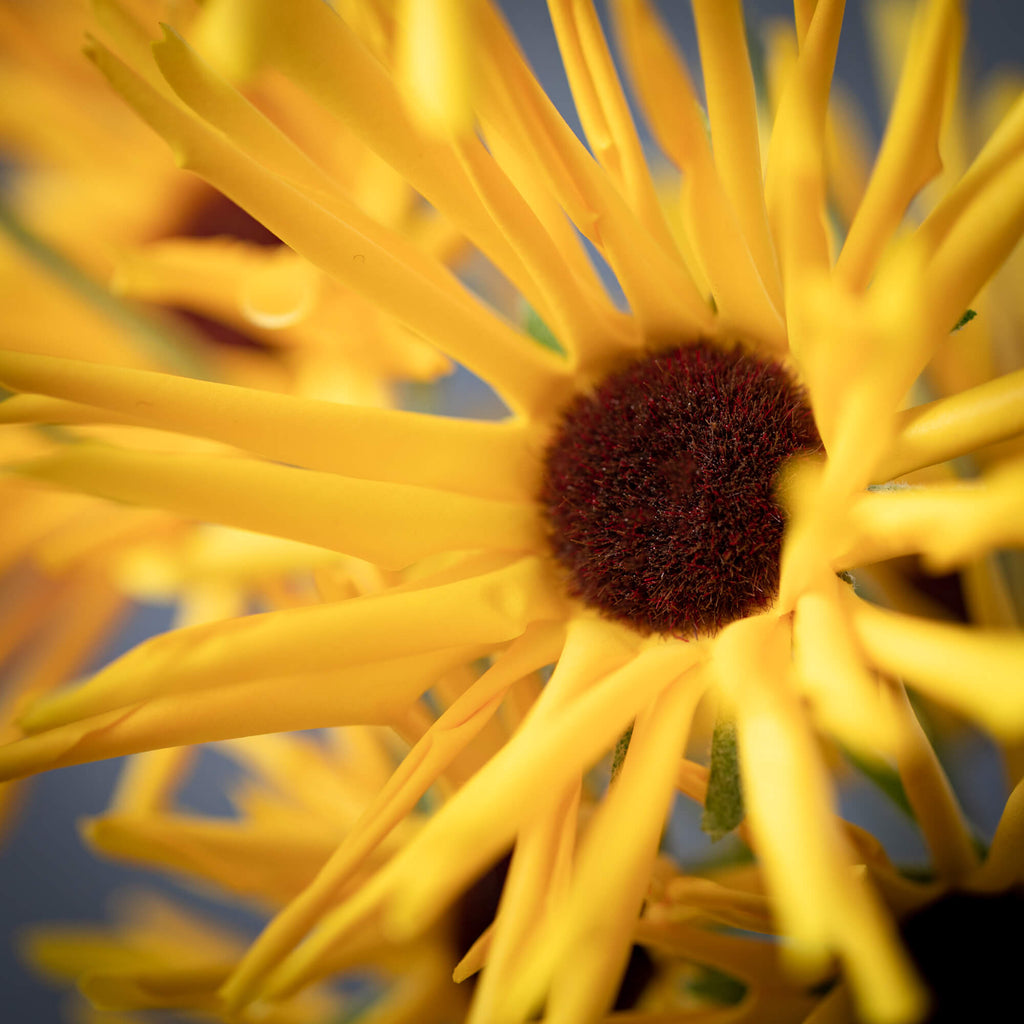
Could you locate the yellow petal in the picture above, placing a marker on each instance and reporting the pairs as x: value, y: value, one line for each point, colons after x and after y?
x: 418, y: 771
x: 846, y: 698
x: 489, y: 608
x: 380, y: 693
x: 976, y: 226
x: 930, y: 795
x: 588, y: 943
x: 909, y: 155
x: 732, y: 111
x: 676, y: 118
x: 821, y: 904
x: 490, y: 459
x: 484, y: 815
x: 975, y: 671
x: 604, y: 112
x: 389, y: 524
x: 250, y: 859
x: 657, y: 285
x: 435, y: 62
x: 947, y: 524
x: 952, y: 426
x: 533, y: 892
x: 343, y: 243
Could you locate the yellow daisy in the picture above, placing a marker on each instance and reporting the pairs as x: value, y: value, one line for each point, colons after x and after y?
x: 621, y: 522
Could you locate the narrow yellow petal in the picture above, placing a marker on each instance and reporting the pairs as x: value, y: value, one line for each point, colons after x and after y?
x: 494, y: 460
x: 935, y: 805
x: 952, y: 426
x: 821, y: 904
x: 588, y: 944
x: 847, y: 700
x: 657, y: 285
x: 148, y: 781
x: 392, y: 525
x: 521, y: 371
x: 483, y: 816
x: 250, y: 859
x: 310, y: 44
x: 1003, y: 870
x: 418, y: 771
x: 665, y: 88
x: 794, y: 178
x: 909, y: 156
x: 489, y: 608
x: 977, y: 672
x: 378, y: 694
x: 604, y: 111
x: 978, y: 223
x: 732, y: 111
x: 532, y: 893
x: 947, y: 524
x: 435, y: 62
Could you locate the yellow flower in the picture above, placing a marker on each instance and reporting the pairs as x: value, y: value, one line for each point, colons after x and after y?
x: 752, y: 294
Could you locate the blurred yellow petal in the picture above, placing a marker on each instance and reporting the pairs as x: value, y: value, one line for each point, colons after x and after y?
x: 265, y: 861
x: 468, y: 456
x: 821, y: 904
x: 522, y: 372
x: 592, y: 934
x: 935, y: 805
x: 435, y: 62
x: 366, y: 694
x: 978, y: 223
x: 946, y: 524
x: 845, y: 697
x: 955, y: 425
x: 392, y: 525
x: 418, y: 771
x: 489, y: 608
x: 909, y: 155
x: 936, y: 657
x: 732, y: 111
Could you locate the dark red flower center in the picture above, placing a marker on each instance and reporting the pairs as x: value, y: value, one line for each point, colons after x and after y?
x: 659, y: 485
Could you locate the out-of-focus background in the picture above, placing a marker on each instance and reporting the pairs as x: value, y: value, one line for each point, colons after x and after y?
x: 45, y: 872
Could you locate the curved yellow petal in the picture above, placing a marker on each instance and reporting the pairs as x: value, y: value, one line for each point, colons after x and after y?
x: 489, y: 608
x: 955, y: 425
x: 977, y: 672
x: 732, y: 111
x: 378, y: 267
x: 376, y: 694
x: 909, y: 155
x: 418, y: 771
x: 495, y: 460
x: 392, y: 525
x: 586, y: 947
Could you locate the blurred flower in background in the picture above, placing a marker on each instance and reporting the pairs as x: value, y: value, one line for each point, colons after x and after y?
x: 477, y: 614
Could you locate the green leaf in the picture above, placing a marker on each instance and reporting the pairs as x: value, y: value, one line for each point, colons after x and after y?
x: 723, y: 806
x: 968, y: 316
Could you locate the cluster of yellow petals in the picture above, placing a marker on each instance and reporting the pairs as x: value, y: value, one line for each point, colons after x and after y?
x: 423, y: 537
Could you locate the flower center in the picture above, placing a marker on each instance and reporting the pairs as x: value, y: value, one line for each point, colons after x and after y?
x: 658, y: 488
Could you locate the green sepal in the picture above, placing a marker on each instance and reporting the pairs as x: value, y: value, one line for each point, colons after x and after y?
x: 968, y: 316
x: 723, y: 806
x: 540, y: 332
x: 620, y: 752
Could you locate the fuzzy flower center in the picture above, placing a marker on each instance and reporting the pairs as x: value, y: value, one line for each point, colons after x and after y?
x: 658, y: 488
